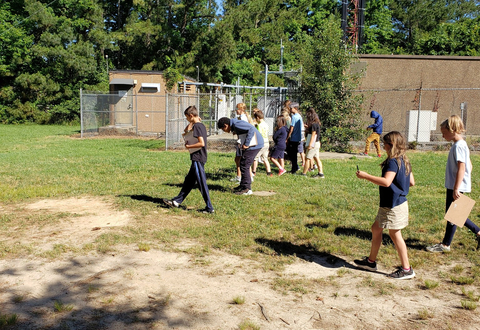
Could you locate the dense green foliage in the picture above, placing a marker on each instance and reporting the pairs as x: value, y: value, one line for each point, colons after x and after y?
x: 49, y: 49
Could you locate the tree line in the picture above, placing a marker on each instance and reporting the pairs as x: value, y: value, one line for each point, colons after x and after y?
x: 49, y: 49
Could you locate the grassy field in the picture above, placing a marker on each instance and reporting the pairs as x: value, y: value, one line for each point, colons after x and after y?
x: 331, y: 216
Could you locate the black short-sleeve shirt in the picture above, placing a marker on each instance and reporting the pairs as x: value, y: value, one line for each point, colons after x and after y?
x: 200, y: 155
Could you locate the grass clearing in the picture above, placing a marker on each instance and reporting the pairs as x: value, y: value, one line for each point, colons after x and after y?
x: 330, y: 217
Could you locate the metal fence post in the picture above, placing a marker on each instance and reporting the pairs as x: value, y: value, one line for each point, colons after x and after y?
x: 81, y: 114
x: 166, y: 121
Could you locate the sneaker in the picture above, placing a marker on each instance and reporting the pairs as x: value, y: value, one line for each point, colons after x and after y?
x: 379, y: 155
x: 270, y: 174
x: 236, y: 179
x: 303, y: 174
x: 171, y: 203
x: 365, y: 264
x: 401, y: 274
x: 282, y: 171
x: 245, y: 192
x: 438, y: 248
x: 363, y: 154
x: 319, y: 176
x: 207, y: 211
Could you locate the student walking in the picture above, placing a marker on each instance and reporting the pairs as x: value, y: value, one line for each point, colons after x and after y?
x: 198, y: 156
x: 249, y: 148
x: 457, y: 178
x: 279, y: 138
x: 294, y: 137
x: 262, y: 155
x: 392, y: 214
x: 313, y: 144
x: 377, y: 129
x: 241, y: 114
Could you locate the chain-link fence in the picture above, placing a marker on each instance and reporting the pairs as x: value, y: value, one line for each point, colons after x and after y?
x: 162, y: 115
x: 418, y: 113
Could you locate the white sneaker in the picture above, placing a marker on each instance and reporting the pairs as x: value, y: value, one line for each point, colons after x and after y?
x: 236, y: 179
x: 438, y: 248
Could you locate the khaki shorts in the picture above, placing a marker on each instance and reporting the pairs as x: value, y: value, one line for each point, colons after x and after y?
x: 263, y: 154
x: 393, y: 218
x: 315, y: 151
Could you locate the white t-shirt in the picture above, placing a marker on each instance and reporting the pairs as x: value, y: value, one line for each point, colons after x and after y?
x: 458, y: 153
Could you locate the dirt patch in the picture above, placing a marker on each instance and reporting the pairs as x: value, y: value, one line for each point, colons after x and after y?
x: 131, y: 289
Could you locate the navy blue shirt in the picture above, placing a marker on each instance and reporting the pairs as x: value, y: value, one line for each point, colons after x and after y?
x: 396, y: 193
x: 280, y: 138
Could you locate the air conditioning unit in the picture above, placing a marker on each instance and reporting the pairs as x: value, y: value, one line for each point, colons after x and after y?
x: 420, y: 124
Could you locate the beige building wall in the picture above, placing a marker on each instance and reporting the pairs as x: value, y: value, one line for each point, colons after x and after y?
x: 149, y: 104
x: 391, y: 86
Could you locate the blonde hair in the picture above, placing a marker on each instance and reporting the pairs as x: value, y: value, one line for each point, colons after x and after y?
x: 242, y: 107
x: 397, y: 151
x: 453, y: 124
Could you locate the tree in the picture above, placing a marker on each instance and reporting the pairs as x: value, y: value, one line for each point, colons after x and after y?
x: 328, y: 85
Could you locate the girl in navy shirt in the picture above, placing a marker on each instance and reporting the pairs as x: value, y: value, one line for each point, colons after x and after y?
x: 394, y: 185
x: 280, y: 140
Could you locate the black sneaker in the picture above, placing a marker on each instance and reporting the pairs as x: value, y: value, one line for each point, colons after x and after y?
x: 401, y: 274
x: 319, y: 176
x: 207, y: 211
x: 365, y: 264
x: 171, y: 203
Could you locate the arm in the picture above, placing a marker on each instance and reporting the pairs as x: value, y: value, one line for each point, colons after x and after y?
x: 290, y: 131
x: 385, y: 181
x: 458, y: 180
x: 412, y: 180
x: 312, y: 140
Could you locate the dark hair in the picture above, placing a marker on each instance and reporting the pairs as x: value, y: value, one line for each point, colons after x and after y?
x: 281, y: 121
x: 312, y: 117
x: 258, y: 114
x: 191, y: 110
x: 222, y: 122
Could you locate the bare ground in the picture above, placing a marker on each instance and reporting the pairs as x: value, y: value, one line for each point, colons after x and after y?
x: 159, y: 289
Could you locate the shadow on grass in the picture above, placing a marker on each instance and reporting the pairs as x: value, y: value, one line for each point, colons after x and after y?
x: 305, y: 252
x: 95, y: 295
x: 386, y: 240
x: 211, y: 187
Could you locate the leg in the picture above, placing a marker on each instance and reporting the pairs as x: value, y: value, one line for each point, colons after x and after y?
x: 319, y: 164
x: 451, y: 228
x: 188, y: 184
x: 377, y: 232
x: 202, y: 184
x: 369, y: 140
x: 282, y: 162
x: 245, y: 163
x: 292, y: 153
x: 254, y: 166
x: 376, y: 143
x: 275, y: 162
x: 396, y: 236
x: 307, y: 165
x: 237, y: 163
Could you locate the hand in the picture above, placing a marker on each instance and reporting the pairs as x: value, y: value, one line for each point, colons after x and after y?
x: 361, y: 174
x: 456, y: 194
x: 245, y: 147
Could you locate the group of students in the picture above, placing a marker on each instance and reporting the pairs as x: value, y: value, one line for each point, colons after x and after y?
x: 394, y: 183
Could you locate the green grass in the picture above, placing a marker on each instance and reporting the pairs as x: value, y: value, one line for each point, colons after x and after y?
x: 305, y: 216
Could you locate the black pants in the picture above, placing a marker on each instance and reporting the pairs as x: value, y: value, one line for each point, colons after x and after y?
x: 292, y: 150
x: 196, y: 174
x: 248, y: 156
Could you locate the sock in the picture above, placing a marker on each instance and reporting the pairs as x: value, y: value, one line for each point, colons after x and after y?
x: 406, y: 269
x: 370, y: 261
